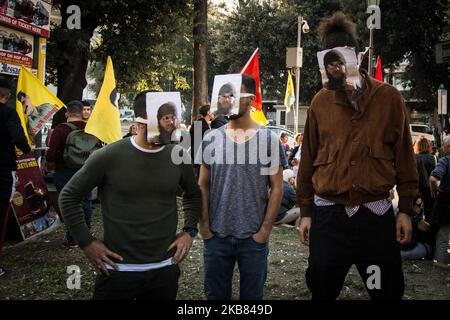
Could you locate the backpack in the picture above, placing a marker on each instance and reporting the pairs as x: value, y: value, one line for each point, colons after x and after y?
x: 79, y: 146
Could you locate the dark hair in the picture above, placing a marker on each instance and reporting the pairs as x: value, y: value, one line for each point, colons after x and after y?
x: 75, y: 107
x: 21, y: 95
x: 203, y: 111
x: 166, y: 108
x: 249, y: 83
x: 337, y: 31
x: 226, y: 88
x: 5, y: 87
x: 283, y: 134
x: 86, y: 103
x: 332, y: 56
x: 140, y: 105
x: 4, y: 83
x: 418, y: 196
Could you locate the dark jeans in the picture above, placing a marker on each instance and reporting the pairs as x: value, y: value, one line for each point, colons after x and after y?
x: 220, y: 256
x: 428, y: 202
x: 337, y: 242
x: 158, y: 284
x: 6, y: 184
x: 63, y: 176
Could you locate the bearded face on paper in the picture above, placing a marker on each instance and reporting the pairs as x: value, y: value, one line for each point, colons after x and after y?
x: 336, y: 70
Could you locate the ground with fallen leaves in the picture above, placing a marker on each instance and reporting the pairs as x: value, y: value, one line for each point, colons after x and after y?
x: 38, y: 270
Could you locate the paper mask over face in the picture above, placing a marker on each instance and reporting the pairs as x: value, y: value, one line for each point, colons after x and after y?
x: 226, y: 94
x: 163, y: 117
x: 339, y: 66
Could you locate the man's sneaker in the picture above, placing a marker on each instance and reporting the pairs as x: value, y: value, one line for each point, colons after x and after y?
x: 2, y: 272
x: 69, y: 243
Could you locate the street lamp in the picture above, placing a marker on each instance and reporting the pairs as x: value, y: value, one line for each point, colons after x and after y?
x: 294, y: 59
x: 371, y: 26
x: 302, y: 26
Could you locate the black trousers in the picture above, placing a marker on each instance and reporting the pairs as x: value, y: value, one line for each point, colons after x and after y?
x: 158, y: 284
x: 6, y: 184
x: 366, y: 240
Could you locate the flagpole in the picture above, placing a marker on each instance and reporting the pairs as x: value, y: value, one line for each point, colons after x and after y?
x: 249, y: 60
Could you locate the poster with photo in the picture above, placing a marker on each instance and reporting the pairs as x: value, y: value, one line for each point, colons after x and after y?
x: 351, y: 63
x: 226, y: 94
x: 163, y: 106
x: 30, y: 199
x: 16, y: 47
x: 31, y: 16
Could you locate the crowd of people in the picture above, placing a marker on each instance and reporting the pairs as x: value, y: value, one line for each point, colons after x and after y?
x: 335, y: 185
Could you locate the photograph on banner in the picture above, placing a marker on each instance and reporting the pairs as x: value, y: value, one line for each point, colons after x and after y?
x: 342, y: 56
x: 16, y: 47
x: 36, y: 101
x: 30, y: 199
x: 161, y: 108
x: 226, y: 94
x: 32, y: 16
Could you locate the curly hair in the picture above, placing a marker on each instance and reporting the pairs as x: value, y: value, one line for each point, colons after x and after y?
x: 337, y: 31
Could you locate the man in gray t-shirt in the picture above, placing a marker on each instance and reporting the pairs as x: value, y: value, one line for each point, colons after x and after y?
x: 241, y: 182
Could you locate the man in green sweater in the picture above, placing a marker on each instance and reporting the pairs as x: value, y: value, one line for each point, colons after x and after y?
x: 137, y: 182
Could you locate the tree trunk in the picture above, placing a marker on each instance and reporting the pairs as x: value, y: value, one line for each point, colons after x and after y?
x: 72, y: 78
x: 73, y: 47
x: 200, y: 87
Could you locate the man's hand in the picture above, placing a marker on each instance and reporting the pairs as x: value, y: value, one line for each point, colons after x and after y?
x: 305, y: 226
x: 404, y: 228
x: 295, y: 162
x: 98, y: 254
x: 262, y: 236
x: 434, y: 187
x: 205, y: 231
x: 183, y: 243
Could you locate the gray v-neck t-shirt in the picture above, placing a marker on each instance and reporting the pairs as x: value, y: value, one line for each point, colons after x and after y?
x: 239, y: 183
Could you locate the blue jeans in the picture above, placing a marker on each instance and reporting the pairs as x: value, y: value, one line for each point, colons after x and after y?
x: 220, y: 256
x: 63, y: 176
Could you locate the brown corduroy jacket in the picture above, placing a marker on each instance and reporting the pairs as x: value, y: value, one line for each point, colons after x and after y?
x: 354, y: 157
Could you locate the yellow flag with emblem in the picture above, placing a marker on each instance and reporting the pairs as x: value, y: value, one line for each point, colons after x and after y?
x: 104, y: 122
x: 35, y: 104
x: 289, y: 98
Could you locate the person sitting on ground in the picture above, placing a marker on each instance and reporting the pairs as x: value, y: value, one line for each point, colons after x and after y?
x: 284, y: 139
x: 288, y: 213
x: 421, y: 239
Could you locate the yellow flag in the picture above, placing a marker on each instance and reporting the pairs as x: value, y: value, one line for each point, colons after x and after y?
x: 259, y: 117
x: 289, y: 98
x: 35, y: 103
x: 104, y: 122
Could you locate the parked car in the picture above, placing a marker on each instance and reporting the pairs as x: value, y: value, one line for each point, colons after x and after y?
x: 418, y: 129
x: 278, y: 130
x: 126, y: 115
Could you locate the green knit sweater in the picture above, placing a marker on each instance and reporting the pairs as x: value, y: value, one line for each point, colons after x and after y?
x: 138, y: 199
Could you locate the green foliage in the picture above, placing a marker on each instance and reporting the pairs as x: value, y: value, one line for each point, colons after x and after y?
x: 409, y: 30
x: 149, y: 43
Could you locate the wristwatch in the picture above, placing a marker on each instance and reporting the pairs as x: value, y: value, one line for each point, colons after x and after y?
x: 191, y: 230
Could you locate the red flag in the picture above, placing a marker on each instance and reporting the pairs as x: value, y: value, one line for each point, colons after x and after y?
x: 379, y: 71
x: 252, y: 69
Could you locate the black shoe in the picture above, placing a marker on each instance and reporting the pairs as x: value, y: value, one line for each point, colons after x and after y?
x: 2, y: 272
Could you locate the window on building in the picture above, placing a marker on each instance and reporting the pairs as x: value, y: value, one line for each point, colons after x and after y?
x: 282, y: 118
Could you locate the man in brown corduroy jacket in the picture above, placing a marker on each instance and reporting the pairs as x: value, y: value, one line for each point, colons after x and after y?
x: 356, y: 147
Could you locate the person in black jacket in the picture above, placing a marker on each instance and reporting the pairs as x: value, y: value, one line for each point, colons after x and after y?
x: 11, y: 136
x: 205, y: 121
x: 425, y: 163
